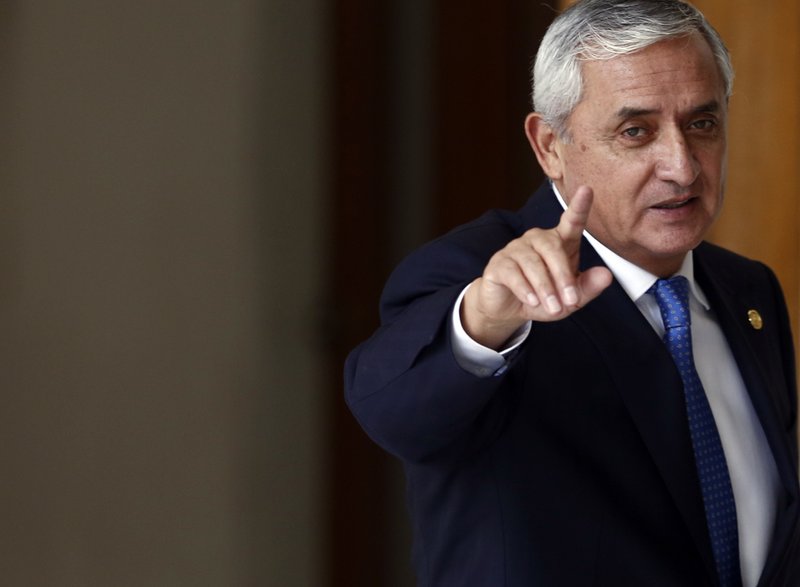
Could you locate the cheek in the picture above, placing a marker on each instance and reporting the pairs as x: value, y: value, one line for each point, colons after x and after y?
x: 616, y: 180
x: 609, y: 219
x: 620, y: 205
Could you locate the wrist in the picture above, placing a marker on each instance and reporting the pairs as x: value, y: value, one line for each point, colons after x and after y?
x: 483, y: 328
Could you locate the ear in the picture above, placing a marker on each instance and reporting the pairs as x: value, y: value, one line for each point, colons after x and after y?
x: 545, y: 142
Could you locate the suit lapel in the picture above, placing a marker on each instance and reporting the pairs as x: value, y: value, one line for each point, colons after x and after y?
x: 651, y: 389
x: 731, y: 305
x: 645, y: 376
x: 650, y: 385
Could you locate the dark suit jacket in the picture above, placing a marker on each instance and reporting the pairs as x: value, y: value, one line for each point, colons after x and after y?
x: 575, y: 466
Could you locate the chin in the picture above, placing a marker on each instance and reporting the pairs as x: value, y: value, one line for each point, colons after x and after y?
x: 675, y: 250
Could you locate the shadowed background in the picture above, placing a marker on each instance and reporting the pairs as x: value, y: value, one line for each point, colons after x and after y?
x: 199, y: 203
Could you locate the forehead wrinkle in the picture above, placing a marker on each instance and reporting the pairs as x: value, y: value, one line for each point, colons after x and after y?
x: 631, y: 112
x: 665, y: 79
x: 653, y: 81
x: 626, y: 112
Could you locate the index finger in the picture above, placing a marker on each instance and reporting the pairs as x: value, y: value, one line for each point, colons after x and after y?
x: 573, y: 220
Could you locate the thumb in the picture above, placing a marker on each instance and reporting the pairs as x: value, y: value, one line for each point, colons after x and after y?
x: 591, y: 284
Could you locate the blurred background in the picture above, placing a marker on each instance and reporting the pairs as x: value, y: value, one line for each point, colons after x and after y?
x: 199, y: 204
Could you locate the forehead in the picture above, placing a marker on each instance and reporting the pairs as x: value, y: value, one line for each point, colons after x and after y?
x: 672, y: 74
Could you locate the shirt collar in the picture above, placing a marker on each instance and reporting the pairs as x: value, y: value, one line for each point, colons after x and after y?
x: 633, y: 279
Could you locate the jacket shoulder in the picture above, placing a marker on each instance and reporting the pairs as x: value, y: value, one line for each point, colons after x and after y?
x: 733, y: 267
x: 454, y: 259
x: 458, y: 257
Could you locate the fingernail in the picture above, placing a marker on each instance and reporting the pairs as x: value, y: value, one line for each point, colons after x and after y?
x: 532, y: 300
x: 570, y: 296
x: 553, y: 305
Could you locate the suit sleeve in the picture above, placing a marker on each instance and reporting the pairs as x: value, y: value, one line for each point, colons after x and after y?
x: 404, y: 385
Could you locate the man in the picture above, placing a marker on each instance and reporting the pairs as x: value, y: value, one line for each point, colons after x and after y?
x: 584, y: 392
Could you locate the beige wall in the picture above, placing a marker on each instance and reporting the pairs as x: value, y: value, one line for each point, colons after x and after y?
x: 160, y: 240
x: 761, y: 212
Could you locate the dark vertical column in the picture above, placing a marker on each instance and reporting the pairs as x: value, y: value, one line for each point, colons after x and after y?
x: 475, y: 157
x: 356, y: 467
x: 482, y: 96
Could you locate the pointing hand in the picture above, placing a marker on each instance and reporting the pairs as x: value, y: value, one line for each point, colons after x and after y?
x: 534, y: 277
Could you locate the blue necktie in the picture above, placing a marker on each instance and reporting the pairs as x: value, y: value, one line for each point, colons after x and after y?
x: 672, y: 296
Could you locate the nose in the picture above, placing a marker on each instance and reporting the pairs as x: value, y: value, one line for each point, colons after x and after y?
x: 676, y: 162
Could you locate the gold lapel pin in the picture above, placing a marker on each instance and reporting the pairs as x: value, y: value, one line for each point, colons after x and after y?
x: 755, y: 319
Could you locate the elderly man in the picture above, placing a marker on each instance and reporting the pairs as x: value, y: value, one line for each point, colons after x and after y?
x: 584, y: 392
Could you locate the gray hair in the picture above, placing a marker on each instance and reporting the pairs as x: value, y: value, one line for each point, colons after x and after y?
x: 604, y: 29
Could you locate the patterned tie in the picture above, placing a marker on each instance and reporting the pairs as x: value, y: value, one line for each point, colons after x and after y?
x: 672, y: 296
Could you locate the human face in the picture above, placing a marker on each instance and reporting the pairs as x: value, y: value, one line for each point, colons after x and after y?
x: 649, y: 137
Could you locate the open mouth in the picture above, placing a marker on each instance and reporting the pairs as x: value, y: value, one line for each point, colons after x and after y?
x: 674, y: 205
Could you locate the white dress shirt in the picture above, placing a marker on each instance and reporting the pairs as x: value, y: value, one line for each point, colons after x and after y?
x: 752, y: 468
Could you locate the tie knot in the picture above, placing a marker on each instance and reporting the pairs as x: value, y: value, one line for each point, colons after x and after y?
x: 672, y: 296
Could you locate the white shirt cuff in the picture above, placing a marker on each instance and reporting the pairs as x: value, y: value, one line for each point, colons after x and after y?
x: 475, y: 358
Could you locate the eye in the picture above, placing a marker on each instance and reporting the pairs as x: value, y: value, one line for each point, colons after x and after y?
x: 634, y: 132
x: 705, y: 124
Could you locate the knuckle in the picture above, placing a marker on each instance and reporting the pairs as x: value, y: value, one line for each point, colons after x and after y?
x: 551, y: 244
x: 500, y: 266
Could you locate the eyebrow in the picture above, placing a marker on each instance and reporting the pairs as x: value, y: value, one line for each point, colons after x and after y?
x: 627, y: 112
